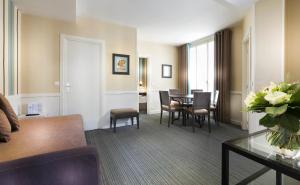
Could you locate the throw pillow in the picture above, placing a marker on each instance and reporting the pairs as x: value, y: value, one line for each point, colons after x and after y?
x: 10, y: 113
x: 5, y: 128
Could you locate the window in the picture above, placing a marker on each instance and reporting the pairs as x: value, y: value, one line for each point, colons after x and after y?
x: 201, y: 66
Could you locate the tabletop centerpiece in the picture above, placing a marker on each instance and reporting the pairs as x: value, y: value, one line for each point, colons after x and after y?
x: 281, y: 103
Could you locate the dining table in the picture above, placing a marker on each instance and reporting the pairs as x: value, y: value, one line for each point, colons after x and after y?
x: 181, y: 96
x: 185, y: 100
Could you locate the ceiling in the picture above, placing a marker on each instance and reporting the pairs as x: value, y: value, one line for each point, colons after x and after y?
x: 165, y: 21
x: 58, y: 9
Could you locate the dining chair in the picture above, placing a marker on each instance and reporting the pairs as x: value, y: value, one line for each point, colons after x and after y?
x: 213, y: 106
x: 178, y: 101
x: 201, y: 107
x: 196, y: 90
x: 168, y: 106
x: 174, y: 91
x: 192, y: 92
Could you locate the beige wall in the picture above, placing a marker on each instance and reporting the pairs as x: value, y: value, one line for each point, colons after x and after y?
x: 266, y: 20
x: 269, y: 43
x: 236, y: 53
x: 157, y: 55
x: 292, y: 40
x: 40, y: 51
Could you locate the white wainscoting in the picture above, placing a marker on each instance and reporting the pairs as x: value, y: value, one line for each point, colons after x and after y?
x: 49, y: 101
x: 153, y: 101
x: 236, y: 107
x: 112, y: 100
x: 115, y: 100
x: 15, y: 100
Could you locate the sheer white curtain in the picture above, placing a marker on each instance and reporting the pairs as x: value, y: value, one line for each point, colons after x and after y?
x: 201, y: 66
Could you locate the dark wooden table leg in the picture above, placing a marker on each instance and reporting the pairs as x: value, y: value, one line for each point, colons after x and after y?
x: 173, y: 116
x: 183, y: 118
x: 110, y: 123
x: 193, y: 122
x: 131, y: 120
x: 115, y: 125
x: 278, y: 178
x: 225, y: 165
x: 138, y: 121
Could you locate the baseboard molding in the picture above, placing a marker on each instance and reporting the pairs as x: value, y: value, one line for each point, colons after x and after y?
x: 236, y: 122
x: 121, y: 123
x: 154, y: 112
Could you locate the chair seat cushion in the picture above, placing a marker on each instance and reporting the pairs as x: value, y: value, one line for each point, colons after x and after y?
x: 172, y: 107
x: 173, y: 102
x: 197, y: 111
x: 213, y: 107
x: 123, y: 113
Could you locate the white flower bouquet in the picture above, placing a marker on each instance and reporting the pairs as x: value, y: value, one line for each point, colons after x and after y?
x: 281, y: 103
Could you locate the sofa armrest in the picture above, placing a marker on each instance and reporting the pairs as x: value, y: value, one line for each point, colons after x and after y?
x: 70, y: 167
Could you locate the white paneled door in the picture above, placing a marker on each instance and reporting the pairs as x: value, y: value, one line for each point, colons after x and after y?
x: 81, y: 79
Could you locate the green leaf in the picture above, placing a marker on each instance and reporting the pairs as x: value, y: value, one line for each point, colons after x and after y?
x: 290, y: 122
x: 276, y: 111
x: 268, y: 121
x: 259, y: 103
x: 284, y: 87
x: 295, y: 99
x: 294, y: 111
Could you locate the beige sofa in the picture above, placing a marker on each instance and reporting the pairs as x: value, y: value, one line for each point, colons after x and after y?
x: 44, y: 135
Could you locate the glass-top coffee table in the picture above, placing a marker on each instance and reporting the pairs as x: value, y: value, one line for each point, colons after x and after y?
x: 256, y: 148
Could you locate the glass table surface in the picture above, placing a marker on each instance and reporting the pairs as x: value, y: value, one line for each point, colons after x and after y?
x: 258, y: 145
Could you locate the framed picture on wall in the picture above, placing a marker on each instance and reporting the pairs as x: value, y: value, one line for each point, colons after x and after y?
x: 120, y: 64
x: 166, y: 71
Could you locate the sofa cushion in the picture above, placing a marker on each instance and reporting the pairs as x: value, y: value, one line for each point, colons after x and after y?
x: 79, y: 166
x: 10, y: 113
x: 5, y: 128
x: 44, y: 135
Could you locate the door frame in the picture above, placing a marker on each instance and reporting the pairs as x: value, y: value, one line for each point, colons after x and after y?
x: 247, y: 82
x: 63, y: 51
x: 148, y: 81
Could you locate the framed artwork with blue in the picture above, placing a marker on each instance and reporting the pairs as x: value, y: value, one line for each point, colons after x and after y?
x: 120, y: 64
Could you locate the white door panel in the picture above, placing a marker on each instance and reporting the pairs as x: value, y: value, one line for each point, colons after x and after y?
x: 81, y: 81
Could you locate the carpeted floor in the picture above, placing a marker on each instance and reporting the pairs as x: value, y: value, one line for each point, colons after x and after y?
x: 157, y: 155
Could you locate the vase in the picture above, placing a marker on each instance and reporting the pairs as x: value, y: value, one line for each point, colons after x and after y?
x: 284, y: 143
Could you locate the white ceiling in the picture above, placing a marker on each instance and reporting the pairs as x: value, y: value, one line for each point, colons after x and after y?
x: 57, y: 9
x: 166, y: 21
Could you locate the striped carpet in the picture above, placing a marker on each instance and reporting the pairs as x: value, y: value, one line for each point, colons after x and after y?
x: 158, y: 155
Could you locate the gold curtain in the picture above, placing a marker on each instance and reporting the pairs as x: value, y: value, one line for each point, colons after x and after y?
x: 222, y: 73
x: 183, y: 68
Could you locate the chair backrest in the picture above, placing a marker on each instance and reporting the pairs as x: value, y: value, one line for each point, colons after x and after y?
x: 216, y: 98
x: 164, y: 98
x: 201, y: 100
x: 174, y: 91
x: 196, y: 90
